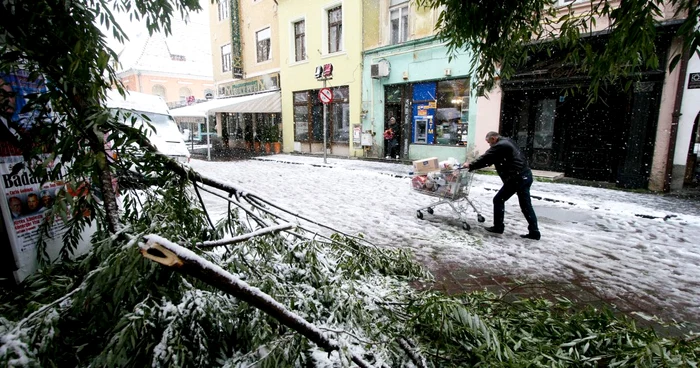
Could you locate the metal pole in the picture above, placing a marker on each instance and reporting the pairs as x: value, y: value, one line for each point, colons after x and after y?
x: 325, y: 111
x: 208, y: 140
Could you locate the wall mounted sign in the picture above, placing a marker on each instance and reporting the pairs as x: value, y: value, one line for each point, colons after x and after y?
x: 694, y: 81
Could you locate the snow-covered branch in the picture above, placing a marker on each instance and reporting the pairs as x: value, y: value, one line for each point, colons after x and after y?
x: 244, y: 237
x: 169, y: 254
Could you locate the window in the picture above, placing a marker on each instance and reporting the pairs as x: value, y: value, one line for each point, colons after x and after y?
x: 262, y: 40
x: 339, y: 115
x: 226, y: 58
x: 451, y: 125
x: 301, y: 116
x: 335, y: 30
x: 399, y: 24
x: 158, y: 90
x: 184, y: 93
x: 299, y: 41
x: 223, y: 9
x: 308, y: 116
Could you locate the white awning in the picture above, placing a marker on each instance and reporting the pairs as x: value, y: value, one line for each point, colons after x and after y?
x: 268, y: 102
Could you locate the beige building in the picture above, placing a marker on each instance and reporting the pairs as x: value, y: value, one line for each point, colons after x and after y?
x: 177, y: 67
x: 245, y: 61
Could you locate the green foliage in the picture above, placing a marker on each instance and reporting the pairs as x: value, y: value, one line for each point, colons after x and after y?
x: 113, y: 307
x: 504, y: 36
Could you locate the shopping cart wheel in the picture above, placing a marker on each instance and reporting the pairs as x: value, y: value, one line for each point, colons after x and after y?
x: 419, y: 214
x: 480, y: 218
x: 430, y: 210
x: 466, y: 226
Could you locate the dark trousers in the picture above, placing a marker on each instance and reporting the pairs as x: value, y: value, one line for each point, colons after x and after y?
x: 520, y: 185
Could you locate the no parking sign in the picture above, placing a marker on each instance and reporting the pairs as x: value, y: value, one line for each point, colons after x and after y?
x: 325, y: 95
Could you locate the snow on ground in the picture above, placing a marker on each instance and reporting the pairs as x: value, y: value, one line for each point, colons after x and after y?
x: 627, y: 245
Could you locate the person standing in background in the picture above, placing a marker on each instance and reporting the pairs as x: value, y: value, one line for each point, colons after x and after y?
x: 391, y: 137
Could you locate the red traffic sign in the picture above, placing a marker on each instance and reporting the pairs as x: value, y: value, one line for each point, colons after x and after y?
x: 325, y: 95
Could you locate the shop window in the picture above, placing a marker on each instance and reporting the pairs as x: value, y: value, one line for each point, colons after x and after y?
x: 308, y: 116
x: 440, y: 112
x: 301, y: 116
x: 451, y: 125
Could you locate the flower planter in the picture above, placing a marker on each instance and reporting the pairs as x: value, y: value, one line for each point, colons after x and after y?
x: 277, y: 147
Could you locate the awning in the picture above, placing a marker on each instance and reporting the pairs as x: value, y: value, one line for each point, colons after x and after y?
x: 268, y: 102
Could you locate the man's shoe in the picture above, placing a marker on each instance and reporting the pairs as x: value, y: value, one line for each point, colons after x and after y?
x: 494, y: 229
x: 534, y: 235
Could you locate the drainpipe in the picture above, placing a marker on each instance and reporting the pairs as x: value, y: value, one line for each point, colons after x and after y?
x: 138, y: 76
x: 680, y: 88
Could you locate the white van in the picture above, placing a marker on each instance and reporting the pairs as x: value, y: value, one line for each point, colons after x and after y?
x: 167, y: 138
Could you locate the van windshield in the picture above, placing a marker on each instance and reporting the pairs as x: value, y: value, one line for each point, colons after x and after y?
x: 165, y: 126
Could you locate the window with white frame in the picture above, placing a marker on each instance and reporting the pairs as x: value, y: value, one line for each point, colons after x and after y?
x: 226, y: 58
x: 335, y: 29
x: 398, y: 17
x: 299, y: 40
x: 262, y: 42
x: 223, y: 10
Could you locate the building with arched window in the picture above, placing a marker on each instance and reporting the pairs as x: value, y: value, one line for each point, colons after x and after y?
x: 177, y: 67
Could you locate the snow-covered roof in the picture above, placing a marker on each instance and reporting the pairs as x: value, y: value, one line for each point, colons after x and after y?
x: 187, y: 51
x: 267, y: 102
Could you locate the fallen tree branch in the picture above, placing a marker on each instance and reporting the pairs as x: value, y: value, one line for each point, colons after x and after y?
x: 169, y: 254
x: 244, y: 237
x: 415, y: 356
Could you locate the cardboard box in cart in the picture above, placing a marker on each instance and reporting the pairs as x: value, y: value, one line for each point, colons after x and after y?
x: 426, y: 165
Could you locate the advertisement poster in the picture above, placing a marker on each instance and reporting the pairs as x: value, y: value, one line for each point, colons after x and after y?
x: 28, y: 203
x: 25, y: 201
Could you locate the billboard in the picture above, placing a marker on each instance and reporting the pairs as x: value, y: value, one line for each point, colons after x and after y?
x: 25, y: 202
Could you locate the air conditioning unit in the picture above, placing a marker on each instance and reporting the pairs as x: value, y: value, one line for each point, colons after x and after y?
x: 380, y: 70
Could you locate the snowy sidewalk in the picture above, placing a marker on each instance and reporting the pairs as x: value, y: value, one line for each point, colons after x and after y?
x: 636, y: 251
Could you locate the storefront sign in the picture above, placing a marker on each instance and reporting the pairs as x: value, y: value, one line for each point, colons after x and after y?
x: 268, y: 82
x: 694, y: 81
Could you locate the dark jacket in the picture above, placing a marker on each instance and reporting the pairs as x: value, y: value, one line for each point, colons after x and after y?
x: 510, y: 162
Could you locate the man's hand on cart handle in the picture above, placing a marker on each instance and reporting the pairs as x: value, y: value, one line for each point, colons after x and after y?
x: 465, y: 165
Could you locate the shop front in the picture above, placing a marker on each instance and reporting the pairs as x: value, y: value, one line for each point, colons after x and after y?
x: 251, y: 122
x: 308, y: 121
x: 427, y: 94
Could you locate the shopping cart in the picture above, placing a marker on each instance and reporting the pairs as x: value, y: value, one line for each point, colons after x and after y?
x: 451, y: 187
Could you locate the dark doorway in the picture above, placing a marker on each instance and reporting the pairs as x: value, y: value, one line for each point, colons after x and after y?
x: 606, y: 140
x: 395, y: 99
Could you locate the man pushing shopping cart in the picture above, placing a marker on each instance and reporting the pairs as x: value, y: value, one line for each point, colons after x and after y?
x: 516, y: 175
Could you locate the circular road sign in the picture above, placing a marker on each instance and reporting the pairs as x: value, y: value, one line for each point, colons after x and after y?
x: 325, y: 95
